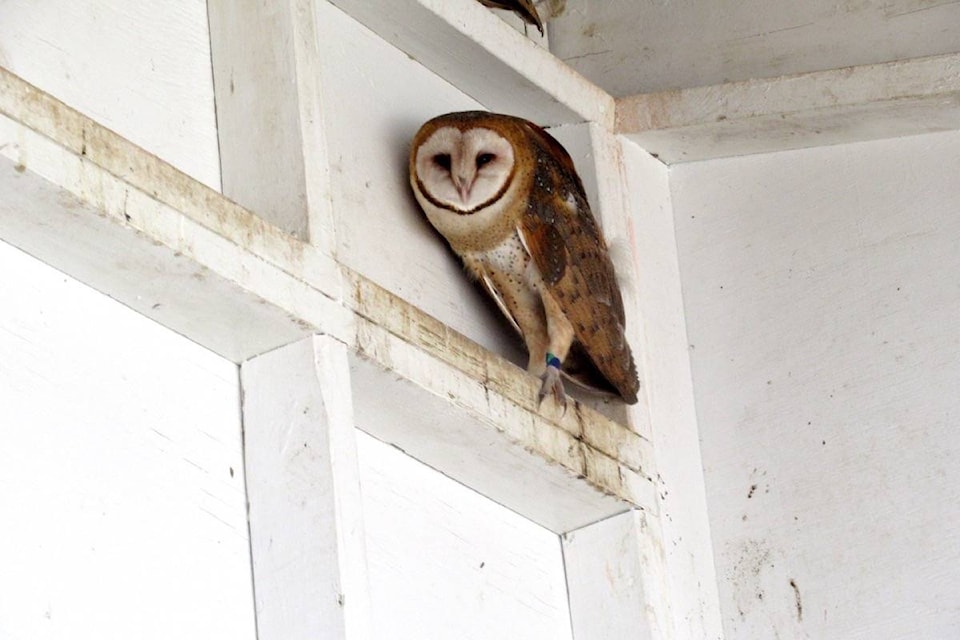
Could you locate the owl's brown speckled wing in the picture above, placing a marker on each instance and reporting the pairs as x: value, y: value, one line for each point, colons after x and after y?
x: 523, y: 8
x: 568, y: 249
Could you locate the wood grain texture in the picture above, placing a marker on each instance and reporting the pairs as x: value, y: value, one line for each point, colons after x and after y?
x: 142, y: 69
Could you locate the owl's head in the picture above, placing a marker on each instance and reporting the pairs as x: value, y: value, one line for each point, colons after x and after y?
x: 461, y: 164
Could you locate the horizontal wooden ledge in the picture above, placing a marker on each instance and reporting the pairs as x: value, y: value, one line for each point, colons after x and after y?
x: 464, y: 43
x: 186, y: 257
x: 91, y: 142
x: 853, y: 104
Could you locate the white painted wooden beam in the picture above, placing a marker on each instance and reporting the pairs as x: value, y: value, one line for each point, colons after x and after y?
x: 140, y: 190
x: 689, y: 574
x: 303, y: 487
x: 476, y: 51
x: 266, y: 72
x: 116, y: 217
x: 616, y: 580
x: 585, y: 443
x: 460, y: 425
x: 791, y: 112
x: 72, y: 235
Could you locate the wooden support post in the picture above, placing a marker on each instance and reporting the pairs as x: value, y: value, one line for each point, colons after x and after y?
x: 615, y: 579
x: 303, y: 487
x: 689, y: 576
x: 266, y: 72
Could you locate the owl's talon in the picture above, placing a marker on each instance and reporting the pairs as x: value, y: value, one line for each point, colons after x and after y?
x: 552, y: 383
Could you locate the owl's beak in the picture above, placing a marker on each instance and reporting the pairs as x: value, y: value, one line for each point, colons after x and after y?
x: 463, y: 185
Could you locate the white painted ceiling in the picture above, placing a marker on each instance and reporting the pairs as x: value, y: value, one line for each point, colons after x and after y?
x: 629, y: 47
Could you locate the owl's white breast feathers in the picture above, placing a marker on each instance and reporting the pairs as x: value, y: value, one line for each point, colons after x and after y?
x: 509, y: 263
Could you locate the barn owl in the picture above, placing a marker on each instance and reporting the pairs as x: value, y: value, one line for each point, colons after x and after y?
x: 506, y: 197
x: 523, y: 8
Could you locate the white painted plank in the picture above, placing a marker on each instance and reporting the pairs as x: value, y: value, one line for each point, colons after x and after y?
x: 791, y: 112
x: 306, y: 520
x: 136, y: 188
x: 487, y: 451
x: 456, y: 38
x: 121, y: 471
x: 630, y: 47
x: 822, y: 299
x: 139, y: 68
x: 606, y: 578
x: 157, y: 281
x: 686, y: 542
x: 266, y: 71
x: 445, y: 562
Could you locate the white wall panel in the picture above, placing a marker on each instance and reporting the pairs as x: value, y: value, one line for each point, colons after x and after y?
x: 445, y: 562
x: 140, y: 68
x: 822, y: 294
x: 121, y: 471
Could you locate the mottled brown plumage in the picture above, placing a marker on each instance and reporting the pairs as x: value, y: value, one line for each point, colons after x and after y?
x: 506, y: 196
x: 523, y: 8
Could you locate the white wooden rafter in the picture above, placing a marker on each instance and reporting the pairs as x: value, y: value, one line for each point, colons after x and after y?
x: 854, y: 104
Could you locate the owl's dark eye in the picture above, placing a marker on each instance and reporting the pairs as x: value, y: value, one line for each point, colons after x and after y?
x: 484, y: 158
x: 442, y: 160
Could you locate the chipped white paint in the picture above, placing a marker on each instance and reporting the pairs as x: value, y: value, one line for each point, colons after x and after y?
x: 140, y: 68
x: 791, y: 112
x: 121, y: 473
x: 502, y: 576
x: 158, y: 281
x: 91, y: 203
x: 472, y: 434
x: 821, y: 296
x: 129, y: 185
